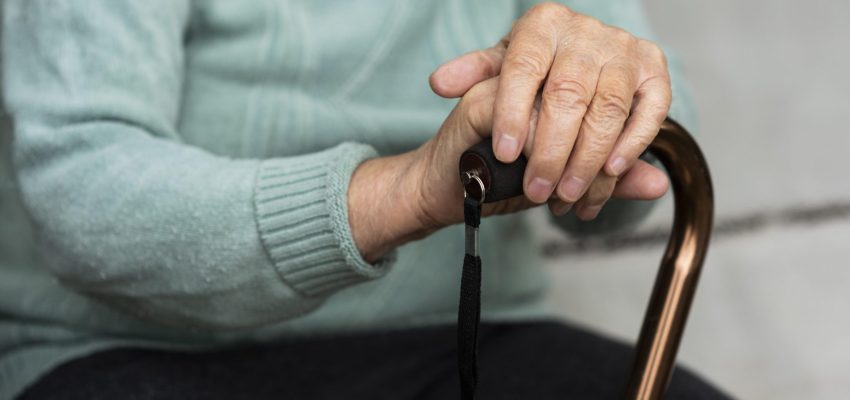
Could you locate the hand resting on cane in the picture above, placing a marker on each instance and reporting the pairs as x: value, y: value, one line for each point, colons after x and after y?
x: 581, y: 99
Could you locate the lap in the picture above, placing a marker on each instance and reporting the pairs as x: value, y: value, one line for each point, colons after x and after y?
x: 538, y: 360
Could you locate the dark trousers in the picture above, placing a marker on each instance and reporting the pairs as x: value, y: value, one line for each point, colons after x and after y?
x: 540, y: 360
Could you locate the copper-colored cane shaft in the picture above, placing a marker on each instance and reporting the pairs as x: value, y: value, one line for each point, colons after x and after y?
x: 676, y: 283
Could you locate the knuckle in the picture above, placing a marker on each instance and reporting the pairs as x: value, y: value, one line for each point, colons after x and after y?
x: 605, y: 129
x: 476, y: 113
x: 588, y: 24
x: 591, y: 153
x: 660, y: 109
x: 653, y: 51
x: 590, y: 158
x: 525, y: 63
x: 667, y: 94
x: 470, y: 107
x: 564, y: 85
x: 609, y: 110
x: 641, y: 142
x: 623, y: 37
x: 472, y: 115
x: 478, y: 93
x: 656, y: 104
x: 596, y: 151
x: 614, y: 104
x: 566, y: 94
x: 465, y: 103
x: 550, y: 10
x: 553, y: 154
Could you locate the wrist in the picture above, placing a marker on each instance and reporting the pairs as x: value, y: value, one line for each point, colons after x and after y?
x: 382, y: 205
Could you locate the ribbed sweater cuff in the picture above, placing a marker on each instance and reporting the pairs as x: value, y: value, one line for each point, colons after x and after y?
x: 302, y: 215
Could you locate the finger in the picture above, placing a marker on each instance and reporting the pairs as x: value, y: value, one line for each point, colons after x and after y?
x: 456, y: 77
x: 468, y: 123
x: 652, y: 102
x: 642, y: 182
x: 600, y: 128
x: 565, y: 98
x: 472, y: 118
x: 594, y: 198
x: 526, y: 63
x: 559, y: 207
x: 477, y: 108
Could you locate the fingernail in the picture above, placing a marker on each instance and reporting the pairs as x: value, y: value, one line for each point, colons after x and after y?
x: 539, y: 190
x: 506, y: 148
x: 571, y: 188
x: 561, y: 209
x: 618, y: 165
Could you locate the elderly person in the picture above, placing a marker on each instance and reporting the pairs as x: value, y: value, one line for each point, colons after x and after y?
x: 251, y: 199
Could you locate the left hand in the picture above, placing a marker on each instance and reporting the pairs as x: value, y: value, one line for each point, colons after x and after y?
x: 604, y: 96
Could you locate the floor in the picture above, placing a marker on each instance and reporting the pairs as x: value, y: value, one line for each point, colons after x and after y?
x: 772, y: 315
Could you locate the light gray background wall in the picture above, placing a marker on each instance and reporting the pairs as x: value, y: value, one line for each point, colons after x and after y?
x: 771, y: 80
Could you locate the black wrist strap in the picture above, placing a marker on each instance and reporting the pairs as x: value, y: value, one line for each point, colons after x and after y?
x: 469, y: 307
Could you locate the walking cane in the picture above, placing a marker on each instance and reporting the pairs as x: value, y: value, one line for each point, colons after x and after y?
x: 485, y: 180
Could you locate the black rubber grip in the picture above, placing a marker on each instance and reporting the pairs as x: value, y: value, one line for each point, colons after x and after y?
x: 501, y: 181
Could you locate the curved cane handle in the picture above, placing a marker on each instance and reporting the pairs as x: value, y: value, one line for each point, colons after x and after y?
x: 675, y: 284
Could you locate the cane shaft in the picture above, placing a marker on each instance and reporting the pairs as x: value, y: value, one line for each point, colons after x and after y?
x: 676, y: 282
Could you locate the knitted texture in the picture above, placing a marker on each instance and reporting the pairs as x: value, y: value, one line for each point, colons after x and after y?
x: 302, y: 215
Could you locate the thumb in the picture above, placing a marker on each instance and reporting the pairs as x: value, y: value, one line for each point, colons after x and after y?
x: 455, y: 77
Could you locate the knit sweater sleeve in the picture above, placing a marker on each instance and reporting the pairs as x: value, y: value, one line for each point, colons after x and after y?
x: 128, y: 214
x: 629, y: 15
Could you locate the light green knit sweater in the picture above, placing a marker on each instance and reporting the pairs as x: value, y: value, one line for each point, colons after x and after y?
x: 177, y: 172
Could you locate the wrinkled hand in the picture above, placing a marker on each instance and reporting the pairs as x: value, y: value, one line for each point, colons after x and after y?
x: 581, y: 99
x: 393, y: 200
x: 435, y: 164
